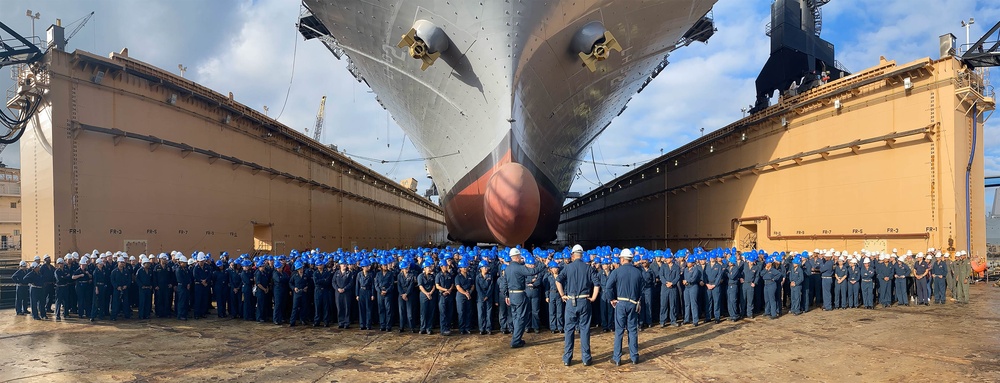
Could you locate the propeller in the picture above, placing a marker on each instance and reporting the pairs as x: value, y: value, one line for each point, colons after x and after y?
x: 418, y: 49
x: 600, y: 51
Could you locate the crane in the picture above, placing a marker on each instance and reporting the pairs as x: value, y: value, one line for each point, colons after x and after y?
x: 318, y: 132
x: 78, y: 28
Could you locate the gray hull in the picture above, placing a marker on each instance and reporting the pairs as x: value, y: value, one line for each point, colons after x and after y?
x: 506, y: 112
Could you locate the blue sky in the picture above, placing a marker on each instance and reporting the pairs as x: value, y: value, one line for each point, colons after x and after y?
x: 247, y: 47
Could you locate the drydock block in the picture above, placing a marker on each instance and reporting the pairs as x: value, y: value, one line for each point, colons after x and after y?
x: 125, y: 156
x: 890, y: 157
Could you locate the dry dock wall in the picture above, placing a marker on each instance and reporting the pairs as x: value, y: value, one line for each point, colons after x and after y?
x: 877, y: 161
x: 125, y: 156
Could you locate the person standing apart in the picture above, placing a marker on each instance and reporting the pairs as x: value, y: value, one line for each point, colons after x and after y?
x: 624, y: 290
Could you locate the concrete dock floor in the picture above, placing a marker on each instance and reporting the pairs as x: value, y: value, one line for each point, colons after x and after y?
x: 949, y: 343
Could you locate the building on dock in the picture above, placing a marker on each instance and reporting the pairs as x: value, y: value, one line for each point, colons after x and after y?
x: 126, y: 156
x: 890, y: 157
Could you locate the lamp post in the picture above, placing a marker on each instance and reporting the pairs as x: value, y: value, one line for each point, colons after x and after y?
x: 33, y: 17
x: 967, y: 26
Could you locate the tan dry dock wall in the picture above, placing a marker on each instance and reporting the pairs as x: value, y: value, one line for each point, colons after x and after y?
x: 87, y: 189
x: 905, y: 191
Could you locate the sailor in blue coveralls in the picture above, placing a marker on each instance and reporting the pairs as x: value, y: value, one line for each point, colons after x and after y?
x: 21, y: 291
x: 84, y: 288
x: 670, y: 279
x: 853, y: 283
x: 343, y: 287
x: 385, y: 287
x: 797, y: 278
x: 578, y: 288
x: 486, y: 290
x: 751, y: 277
x: 282, y: 288
x: 533, y: 292
x: 901, y: 270
x: 120, y: 281
x: 518, y: 274
x: 939, y: 273
x: 444, y: 282
x: 184, y: 280
x: 692, y: 278
x: 322, y: 292
x: 826, y: 273
x: 299, y: 284
x: 428, y: 293
x: 867, y: 284
x: 734, y: 275
x: 144, y: 282
x: 465, y: 286
x: 365, y: 294
x: 772, y: 277
x: 406, y: 286
x: 624, y: 288
x: 554, y: 298
x: 63, y: 278
x: 714, y: 274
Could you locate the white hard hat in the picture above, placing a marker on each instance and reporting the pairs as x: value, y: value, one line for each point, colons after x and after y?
x: 180, y: 258
x: 24, y: 264
x: 894, y: 250
x: 121, y: 259
x: 37, y: 258
x: 577, y: 249
x: 866, y: 260
x: 60, y: 260
x: 191, y: 261
x: 47, y: 256
x: 132, y: 258
x: 34, y: 264
x: 84, y: 261
x: 626, y: 253
x: 162, y: 256
x: 515, y: 252
x: 920, y: 255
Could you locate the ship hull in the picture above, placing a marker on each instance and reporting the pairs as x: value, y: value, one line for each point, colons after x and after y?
x: 505, y: 113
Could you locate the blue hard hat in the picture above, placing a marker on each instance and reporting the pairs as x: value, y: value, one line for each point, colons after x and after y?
x: 463, y: 264
x: 427, y: 263
x: 484, y: 264
x: 797, y: 261
x: 553, y: 264
x: 218, y: 263
x: 298, y: 265
x: 443, y: 263
x: 529, y: 260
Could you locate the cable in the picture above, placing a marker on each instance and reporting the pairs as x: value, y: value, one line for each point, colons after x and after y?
x: 398, y: 156
x: 406, y: 160
x: 295, y: 50
x: 596, y: 174
x: 600, y: 163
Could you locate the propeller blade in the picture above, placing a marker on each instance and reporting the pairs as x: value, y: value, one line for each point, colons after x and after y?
x: 429, y: 60
x: 407, y: 39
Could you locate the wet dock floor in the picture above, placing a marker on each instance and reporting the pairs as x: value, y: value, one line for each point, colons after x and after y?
x: 950, y: 343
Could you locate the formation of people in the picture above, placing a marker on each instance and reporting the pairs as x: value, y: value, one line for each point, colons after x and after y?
x: 468, y: 289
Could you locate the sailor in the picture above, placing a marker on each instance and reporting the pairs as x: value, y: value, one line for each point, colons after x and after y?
x: 298, y: 283
x: 670, y: 278
x: 796, y: 280
x: 21, y: 294
x: 921, y: 272
x: 939, y: 273
x: 202, y: 277
x: 807, y: 286
x: 554, y: 298
x: 62, y: 279
x: 607, y: 312
x: 235, y: 286
x: 322, y: 295
x: 385, y: 282
x: 533, y: 292
x: 751, y: 275
x: 120, y: 281
x: 144, y: 282
x: 963, y: 270
x: 713, y: 281
x: 624, y: 287
x: 406, y: 286
x: 444, y: 282
x: 649, y: 282
x: 343, y: 288
x: 840, y: 283
x: 282, y: 291
x: 734, y: 274
x: 247, y: 287
x: 578, y: 288
x: 901, y: 270
x: 465, y: 285
x: 826, y: 269
x: 518, y: 275
x: 164, y: 290
x: 486, y: 290
x: 84, y: 288
x: 428, y: 293
x: 692, y: 279
x: 184, y: 280
x: 102, y: 286
x: 867, y: 284
x: 220, y: 287
x: 772, y: 278
x: 884, y: 278
x: 853, y: 282
x: 950, y: 276
x: 48, y: 279
x: 263, y: 283
x: 365, y: 288
x: 503, y: 314
x: 36, y: 292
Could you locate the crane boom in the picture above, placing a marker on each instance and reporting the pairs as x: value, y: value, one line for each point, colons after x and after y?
x: 318, y: 133
x: 79, y: 27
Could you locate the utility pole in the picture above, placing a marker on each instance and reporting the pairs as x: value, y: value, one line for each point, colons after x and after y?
x: 966, y: 26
